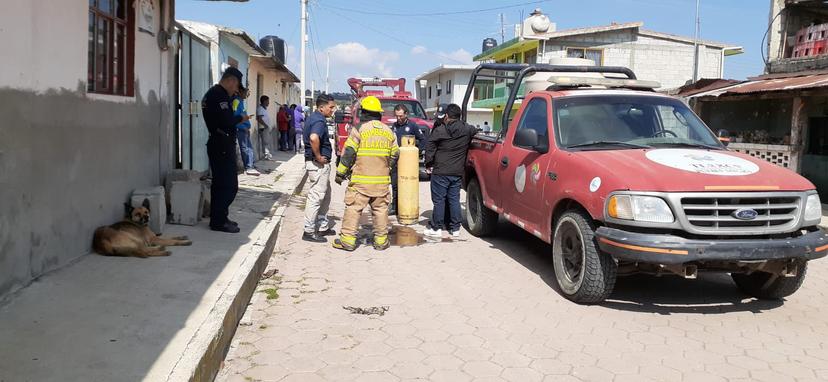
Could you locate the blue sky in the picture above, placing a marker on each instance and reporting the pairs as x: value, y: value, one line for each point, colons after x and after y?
x: 408, y: 46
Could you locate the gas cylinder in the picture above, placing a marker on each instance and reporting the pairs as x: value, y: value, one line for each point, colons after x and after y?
x: 408, y: 182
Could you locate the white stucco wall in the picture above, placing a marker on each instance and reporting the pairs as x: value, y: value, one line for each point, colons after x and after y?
x: 666, y: 61
x: 92, y: 150
x: 48, y: 40
x: 460, y: 82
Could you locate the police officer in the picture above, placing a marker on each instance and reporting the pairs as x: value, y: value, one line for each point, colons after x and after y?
x: 403, y: 126
x: 371, y: 151
x: 221, y: 148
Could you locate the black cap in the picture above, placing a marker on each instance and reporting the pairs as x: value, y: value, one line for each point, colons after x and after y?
x: 231, y: 71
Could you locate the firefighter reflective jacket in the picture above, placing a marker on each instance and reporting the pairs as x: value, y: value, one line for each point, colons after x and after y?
x: 370, y: 153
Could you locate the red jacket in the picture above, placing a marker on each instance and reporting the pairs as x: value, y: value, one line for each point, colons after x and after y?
x: 282, y: 120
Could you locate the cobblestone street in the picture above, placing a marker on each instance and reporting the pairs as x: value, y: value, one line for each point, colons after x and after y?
x: 487, y: 310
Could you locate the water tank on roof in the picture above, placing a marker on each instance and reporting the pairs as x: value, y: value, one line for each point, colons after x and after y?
x: 274, y: 46
x: 489, y: 43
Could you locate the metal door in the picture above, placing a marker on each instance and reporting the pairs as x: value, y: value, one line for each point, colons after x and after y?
x: 194, y: 81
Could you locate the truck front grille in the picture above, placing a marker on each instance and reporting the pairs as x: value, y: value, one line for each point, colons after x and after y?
x: 715, y: 214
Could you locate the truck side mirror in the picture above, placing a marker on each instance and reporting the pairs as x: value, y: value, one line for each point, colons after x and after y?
x: 724, y: 136
x: 526, y: 138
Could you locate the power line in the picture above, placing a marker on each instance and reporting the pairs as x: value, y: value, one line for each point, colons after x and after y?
x: 315, y: 45
x: 365, y: 25
x: 438, y: 13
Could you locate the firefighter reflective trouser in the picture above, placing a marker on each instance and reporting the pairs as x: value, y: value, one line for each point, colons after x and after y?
x: 369, y: 154
x: 355, y: 202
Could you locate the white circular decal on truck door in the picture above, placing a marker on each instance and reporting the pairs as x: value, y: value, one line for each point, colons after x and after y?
x: 520, y: 178
x: 703, y: 162
x: 595, y: 184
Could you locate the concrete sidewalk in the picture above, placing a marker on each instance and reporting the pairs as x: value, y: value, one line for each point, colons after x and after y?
x: 158, y: 319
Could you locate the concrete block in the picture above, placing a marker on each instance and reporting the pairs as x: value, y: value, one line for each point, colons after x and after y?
x: 186, y: 202
x: 158, y: 206
x: 180, y: 176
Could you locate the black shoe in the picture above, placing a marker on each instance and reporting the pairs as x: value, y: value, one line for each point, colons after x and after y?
x: 232, y: 222
x: 314, y: 237
x: 328, y: 232
x: 227, y: 227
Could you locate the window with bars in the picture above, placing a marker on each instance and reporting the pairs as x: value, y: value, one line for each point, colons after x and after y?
x: 110, y: 66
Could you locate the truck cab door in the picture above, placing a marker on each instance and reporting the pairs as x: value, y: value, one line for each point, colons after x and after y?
x: 523, y: 170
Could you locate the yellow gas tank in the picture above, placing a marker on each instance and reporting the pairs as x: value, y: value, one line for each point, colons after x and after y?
x: 408, y: 182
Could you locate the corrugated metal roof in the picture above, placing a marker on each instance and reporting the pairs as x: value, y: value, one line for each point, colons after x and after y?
x: 758, y: 86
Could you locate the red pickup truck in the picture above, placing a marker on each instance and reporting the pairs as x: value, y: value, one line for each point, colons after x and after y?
x: 620, y: 179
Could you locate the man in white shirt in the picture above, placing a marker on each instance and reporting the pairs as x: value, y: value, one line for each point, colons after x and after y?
x: 265, y: 126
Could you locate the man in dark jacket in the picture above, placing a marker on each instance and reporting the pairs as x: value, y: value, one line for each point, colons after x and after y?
x: 402, y: 127
x: 445, y: 155
x: 221, y: 148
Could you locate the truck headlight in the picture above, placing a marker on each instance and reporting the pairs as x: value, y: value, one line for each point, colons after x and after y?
x: 813, y: 208
x: 639, y: 208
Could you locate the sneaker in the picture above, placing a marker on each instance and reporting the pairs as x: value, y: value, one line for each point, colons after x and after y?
x: 455, y: 234
x: 433, y: 233
x: 252, y: 171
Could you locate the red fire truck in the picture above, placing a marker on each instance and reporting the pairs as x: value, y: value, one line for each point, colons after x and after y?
x: 379, y: 87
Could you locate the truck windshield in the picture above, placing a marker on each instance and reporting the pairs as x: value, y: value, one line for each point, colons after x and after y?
x: 414, y: 108
x: 587, y: 122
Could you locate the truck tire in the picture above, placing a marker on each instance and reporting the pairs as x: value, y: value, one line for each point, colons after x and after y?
x: 480, y: 219
x: 766, y: 286
x: 584, y: 274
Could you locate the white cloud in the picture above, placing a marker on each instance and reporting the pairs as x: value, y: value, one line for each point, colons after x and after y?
x: 358, y: 56
x: 460, y: 56
x: 419, y: 49
x: 348, y: 59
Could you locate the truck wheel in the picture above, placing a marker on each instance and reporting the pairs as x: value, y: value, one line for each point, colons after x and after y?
x: 767, y: 286
x: 481, y: 220
x: 584, y: 274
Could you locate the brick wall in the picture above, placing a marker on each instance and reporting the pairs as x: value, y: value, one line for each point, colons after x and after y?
x: 666, y: 61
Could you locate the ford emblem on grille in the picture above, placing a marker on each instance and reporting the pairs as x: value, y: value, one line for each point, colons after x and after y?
x: 745, y: 214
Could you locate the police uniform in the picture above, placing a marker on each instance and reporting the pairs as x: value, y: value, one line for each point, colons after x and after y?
x: 370, y: 153
x: 221, y: 150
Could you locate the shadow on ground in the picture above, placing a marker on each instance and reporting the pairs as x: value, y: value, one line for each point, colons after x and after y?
x: 712, y: 293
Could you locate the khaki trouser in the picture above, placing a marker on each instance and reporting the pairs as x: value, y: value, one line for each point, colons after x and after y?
x: 355, y: 202
x: 319, y: 197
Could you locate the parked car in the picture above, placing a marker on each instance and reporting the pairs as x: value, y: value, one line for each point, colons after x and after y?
x: 619, y: 179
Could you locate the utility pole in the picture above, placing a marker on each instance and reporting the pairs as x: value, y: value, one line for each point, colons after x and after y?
x: 304, y: 41
x: 327, y: 70
x: 502, y: 30
x: 696, y: 45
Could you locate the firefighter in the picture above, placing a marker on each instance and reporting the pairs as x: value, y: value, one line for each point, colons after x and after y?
x: 371, y: 151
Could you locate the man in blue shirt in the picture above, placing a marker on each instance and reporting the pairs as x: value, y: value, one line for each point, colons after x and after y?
x: 318, y: 152
x: 243, y: 132
x: 402, y: 127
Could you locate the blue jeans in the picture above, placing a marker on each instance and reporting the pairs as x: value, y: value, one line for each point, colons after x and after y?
x: 445, y: 190
x: 283, y: 140
x: 245, y: 147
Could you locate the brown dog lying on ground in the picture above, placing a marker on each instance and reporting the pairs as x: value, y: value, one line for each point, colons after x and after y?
x: 132, y: 237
